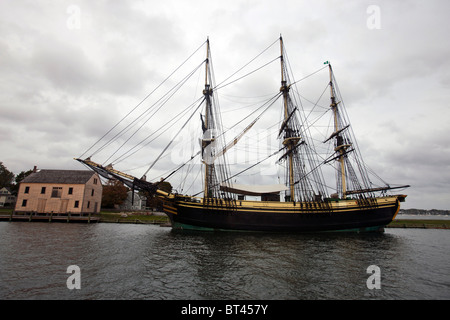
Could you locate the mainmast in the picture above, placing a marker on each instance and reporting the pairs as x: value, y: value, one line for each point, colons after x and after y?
x: 290, y: 138
x: 207, y: 92
x: 340, y: 147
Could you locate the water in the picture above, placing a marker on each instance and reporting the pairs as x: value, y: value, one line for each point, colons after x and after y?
x: 126, y: 261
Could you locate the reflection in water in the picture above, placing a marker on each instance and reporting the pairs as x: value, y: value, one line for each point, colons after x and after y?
x: 148, y: 262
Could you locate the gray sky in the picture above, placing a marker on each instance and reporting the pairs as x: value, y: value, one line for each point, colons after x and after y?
x: 71, y: 69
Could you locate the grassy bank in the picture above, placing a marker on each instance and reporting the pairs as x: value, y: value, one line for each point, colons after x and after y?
x: 112, y: 216
x: 425, y: 224
x: 132, y: 218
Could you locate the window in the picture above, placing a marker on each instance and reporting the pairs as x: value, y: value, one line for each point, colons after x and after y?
x: 43, y: 190
x: 92, y: 192
x: 24, y: 202
x: 56, y: 192
x: 77, y: 203
x: 27, y: 189
x: 95, y: 180
x: 88, y: 204
x: 70, y: 190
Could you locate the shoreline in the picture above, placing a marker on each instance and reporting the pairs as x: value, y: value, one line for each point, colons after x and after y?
x: 159, y: 218
x: 420, y: 223
x: 102, y: 217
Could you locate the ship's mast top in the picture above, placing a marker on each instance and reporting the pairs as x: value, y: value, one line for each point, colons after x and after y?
x: 340, y: 145
x: 206, y: 121
x: 207, y: 64
x: 290, y: 139
x: 208, y: 125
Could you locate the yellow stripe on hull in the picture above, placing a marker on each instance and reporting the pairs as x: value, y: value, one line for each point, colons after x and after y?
x: 286, y: 207
x: 170, y: 209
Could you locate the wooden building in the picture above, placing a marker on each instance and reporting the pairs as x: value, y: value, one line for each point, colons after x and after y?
x: 134, y: 201
x: 60, y: 191
x: 7, y: 199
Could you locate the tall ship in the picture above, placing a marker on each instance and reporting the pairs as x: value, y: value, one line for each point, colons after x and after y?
x: 301, y: 199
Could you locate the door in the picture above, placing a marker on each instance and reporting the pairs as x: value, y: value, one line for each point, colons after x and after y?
x: 41, y: 205
x: 64, y: 204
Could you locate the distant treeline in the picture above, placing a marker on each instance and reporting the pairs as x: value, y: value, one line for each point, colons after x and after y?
x: 422, y: 211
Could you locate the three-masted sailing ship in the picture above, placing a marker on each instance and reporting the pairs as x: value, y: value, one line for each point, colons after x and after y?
x: 307, y: 205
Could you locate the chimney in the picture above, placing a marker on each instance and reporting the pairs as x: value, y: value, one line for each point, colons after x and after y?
x: 35, y: 169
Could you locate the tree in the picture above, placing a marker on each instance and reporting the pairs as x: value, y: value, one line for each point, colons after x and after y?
x: 22, y: 175
x: 6, y: 176
x: 114, y: 194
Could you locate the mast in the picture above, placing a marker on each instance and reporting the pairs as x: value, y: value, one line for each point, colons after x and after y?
x: 289, y: 141
x: 207, y: 92
x: 206, y: 121
x: 352, y: 175
x: 339, y: 144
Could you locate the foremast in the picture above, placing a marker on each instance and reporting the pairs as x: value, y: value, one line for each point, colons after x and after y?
x: 351, y: 172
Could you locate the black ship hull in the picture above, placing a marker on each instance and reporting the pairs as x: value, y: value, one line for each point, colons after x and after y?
x: 358, y: 219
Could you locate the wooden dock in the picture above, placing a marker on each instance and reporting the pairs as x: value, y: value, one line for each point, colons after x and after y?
x: 49, y: 217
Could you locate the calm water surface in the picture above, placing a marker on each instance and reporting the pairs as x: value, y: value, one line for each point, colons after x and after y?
x: 125, y: 261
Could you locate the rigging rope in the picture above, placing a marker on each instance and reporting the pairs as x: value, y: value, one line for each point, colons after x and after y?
x: 218, y: 86
x: 156, y: 160
x: 311, y: 74
x: 246, y: 75
x: 167, y: 98
x: 174, y: 120
x: 246, y: 169
x: 142, y: 101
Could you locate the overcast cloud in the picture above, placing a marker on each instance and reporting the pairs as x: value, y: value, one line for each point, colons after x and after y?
x: 71, y: 69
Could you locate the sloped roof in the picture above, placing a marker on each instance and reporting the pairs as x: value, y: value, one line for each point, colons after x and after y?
x: 59, y: 176
x: 6, y: 188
